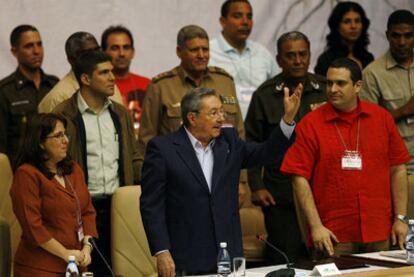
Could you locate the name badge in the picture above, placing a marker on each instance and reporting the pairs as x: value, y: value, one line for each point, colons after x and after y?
x: 351, y: 160
x: 81, y: 235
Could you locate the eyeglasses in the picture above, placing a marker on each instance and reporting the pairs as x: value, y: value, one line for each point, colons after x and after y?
x: 215, y: 113
x: 59, y: 135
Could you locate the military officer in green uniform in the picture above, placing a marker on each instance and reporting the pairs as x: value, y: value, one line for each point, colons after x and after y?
x: 161, y: 111
x: 21, y: 91
x: 270, y: 188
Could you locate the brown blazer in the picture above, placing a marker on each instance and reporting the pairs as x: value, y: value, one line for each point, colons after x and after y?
x: 128, y: 155
x: 47, y: 210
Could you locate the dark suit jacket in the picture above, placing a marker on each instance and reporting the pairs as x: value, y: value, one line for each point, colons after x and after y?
x: 179, y: 212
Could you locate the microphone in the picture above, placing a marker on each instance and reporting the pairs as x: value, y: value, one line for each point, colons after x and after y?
x: 283, y: 272
x: 92, y: 241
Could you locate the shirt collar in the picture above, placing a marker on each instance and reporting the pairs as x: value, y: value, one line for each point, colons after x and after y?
x: 226, y: 47
x: 332, y: 114
x: 83, y: 106
x: 21, y: 80
x: 186, y: 78
x: 196, y: 143
x: 391, y: 62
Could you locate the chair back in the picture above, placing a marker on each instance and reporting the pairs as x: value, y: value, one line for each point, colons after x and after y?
x: 130, y: 251
x: 5, y: 249
x: 252, y: 224
x: 6, y: 209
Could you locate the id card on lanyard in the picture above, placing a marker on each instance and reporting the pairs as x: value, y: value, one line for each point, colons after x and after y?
x: 79, y: 224
x: 351, y: 160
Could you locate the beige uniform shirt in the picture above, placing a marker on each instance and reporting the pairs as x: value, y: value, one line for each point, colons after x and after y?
x: 63, y: 90
x: 390, y: 85
x: 161, y: 110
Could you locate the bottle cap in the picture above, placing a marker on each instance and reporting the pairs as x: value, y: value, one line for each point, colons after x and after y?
x: 71, y: 258
x: 223, y: 244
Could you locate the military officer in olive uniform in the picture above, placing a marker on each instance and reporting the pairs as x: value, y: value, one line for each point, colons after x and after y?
x: 21, y: 91
x: 161, y: 111
x: 271, y: 189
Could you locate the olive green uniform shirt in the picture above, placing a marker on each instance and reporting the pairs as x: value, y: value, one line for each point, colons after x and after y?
x: 391, y: 86
x: 161, y: 110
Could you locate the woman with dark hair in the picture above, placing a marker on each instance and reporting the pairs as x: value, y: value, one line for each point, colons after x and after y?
x: 348, y: 37
x: 51, y: 202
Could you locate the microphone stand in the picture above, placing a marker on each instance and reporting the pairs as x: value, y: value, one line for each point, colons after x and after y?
x: 283, y: 272
x: 92, y: 241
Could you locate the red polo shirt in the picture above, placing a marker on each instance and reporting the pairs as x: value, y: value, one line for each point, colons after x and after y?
x: 356, y: 205
x: 133, y: 88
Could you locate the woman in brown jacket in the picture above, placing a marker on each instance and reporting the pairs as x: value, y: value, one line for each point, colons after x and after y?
x: 51, y: 202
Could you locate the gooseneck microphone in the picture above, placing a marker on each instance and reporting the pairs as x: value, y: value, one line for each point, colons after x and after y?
x: 283, y: 272
x: 92, y: 241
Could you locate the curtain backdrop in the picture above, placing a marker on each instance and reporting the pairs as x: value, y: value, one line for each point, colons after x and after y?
x: 154, y: 24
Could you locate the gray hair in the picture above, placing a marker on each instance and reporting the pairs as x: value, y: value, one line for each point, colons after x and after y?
x: 189, y: 32
x: 74, y: 44
x: 294, y: 35
x: 191, y: 102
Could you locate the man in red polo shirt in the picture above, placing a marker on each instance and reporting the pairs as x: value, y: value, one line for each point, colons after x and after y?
x: 118, y: 42
x: 349, y: 173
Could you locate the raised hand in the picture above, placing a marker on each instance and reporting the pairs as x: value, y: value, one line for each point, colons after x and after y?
x: 291, y: 103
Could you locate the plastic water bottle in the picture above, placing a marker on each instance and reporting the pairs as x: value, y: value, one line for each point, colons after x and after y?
x: 409, y: 242
x: 72, y: 269
x: 223, y: 261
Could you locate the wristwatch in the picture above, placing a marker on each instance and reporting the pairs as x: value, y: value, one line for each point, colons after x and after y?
x: 402, y: 218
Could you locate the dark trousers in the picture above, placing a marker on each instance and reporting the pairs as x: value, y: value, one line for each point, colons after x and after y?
x: 283, y: 232
x: 102, y: 206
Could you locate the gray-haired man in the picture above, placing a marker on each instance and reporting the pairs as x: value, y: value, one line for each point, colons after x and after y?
x: 161, y: 110
x: 189, y: 183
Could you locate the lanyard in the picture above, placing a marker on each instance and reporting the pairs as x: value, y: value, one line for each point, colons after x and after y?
x: 342, y: 139
x: 78, y: 208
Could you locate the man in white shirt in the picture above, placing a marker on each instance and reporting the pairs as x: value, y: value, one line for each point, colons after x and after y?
x: 247, y: 61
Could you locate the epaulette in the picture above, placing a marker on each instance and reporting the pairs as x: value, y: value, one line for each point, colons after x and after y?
x: 164, y: 75
x: 219, y: 70
x: 52, y: 78
x: 7, y: 80
x: 317, y: 81
x: 268, y: 83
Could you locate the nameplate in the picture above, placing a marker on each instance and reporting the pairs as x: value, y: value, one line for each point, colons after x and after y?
x: 325, y: 270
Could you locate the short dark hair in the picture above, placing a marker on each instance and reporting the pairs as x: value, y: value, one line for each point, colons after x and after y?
x: 189, y: 32
x: 37, y: 129
x: 75, y: 43
x: 350, y: 65
x: 225, y: 7
x: 86, y: 63
x: 191, y: 102
x: 115, y: 30
x: 400, y: 17
x: 18, y: 31
x: 294, y: 35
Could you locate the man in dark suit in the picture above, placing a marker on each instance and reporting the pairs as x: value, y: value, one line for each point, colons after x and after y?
x: 189, y: 201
